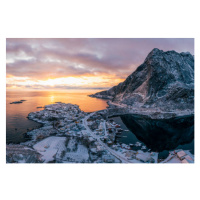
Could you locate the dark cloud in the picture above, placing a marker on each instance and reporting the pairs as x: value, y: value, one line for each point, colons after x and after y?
x: 43, y: 58
x: 41, y: 70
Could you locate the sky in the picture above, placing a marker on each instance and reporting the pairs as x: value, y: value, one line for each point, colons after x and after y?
x: 89, y: 63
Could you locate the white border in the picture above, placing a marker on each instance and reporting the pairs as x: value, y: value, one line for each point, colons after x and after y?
x: 99, y: 19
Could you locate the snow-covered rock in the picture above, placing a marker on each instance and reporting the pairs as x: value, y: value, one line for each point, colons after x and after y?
x: 165, y: 80
x: 16, y: 153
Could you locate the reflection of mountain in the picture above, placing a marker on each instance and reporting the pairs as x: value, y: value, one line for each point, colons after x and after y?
x: 165, y: 80
x: 160, y: 135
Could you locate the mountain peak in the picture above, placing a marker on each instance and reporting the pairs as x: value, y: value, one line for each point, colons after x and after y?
x: 153, y: 53
x: 156, y: 51
x: 165, y: 81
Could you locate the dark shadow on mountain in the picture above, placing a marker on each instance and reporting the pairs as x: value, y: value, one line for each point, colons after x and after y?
x: 162, y: 134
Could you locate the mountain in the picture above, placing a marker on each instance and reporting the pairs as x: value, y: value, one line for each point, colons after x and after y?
x: 164, y: 81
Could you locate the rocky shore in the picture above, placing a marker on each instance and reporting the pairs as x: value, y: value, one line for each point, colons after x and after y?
x: 69, y: 135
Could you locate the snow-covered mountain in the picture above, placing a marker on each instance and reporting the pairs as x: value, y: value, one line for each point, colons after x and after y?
x: 165, y: 80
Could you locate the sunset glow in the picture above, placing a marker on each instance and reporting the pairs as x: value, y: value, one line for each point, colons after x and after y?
x: 64, y: 82
x: 60, y: 64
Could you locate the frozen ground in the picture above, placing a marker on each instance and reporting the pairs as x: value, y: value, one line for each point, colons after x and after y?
x: 49, y: 147
x: 79, y: 156
x: 176, y: 157
x: 21, y: 154
x: 76, y: 142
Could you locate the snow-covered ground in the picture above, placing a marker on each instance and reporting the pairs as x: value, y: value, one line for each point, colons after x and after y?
x: 49, y: 147
x: 179, y: 156
x: 111, y: 151
x: 77, y: 142
x: 154, y: 113
x: 53, y: 148
x: 80, y: 155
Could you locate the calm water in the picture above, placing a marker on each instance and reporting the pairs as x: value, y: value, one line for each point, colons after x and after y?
x: 158, y: 135
x: 127, y: 136
x: 16, y: 121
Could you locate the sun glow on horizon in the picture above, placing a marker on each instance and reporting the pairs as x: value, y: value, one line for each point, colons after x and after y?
x: 63, y: 82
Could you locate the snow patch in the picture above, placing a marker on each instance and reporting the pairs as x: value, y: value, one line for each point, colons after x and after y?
x: 49, y: 147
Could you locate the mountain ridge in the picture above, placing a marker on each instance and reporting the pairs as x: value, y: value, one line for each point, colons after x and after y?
x: 165, y: 81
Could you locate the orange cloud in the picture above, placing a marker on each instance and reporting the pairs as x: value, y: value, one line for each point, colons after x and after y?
x: 71, y: 63
x: 101, y: 81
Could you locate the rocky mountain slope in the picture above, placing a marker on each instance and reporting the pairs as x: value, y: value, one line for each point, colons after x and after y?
x: 164, y: 81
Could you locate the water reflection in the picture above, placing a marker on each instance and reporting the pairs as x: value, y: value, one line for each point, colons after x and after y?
x: 16, y: 113
x: 160, y: 135
x: 52, y: 99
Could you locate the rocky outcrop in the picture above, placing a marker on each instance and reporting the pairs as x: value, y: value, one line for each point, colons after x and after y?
x: 16, y: 153
x: 164, y: 81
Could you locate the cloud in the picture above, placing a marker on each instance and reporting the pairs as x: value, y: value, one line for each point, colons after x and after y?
x: 56, y: 58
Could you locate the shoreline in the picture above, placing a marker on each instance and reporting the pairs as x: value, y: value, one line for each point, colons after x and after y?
x: 73, y: 131
x: 153, y: 113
